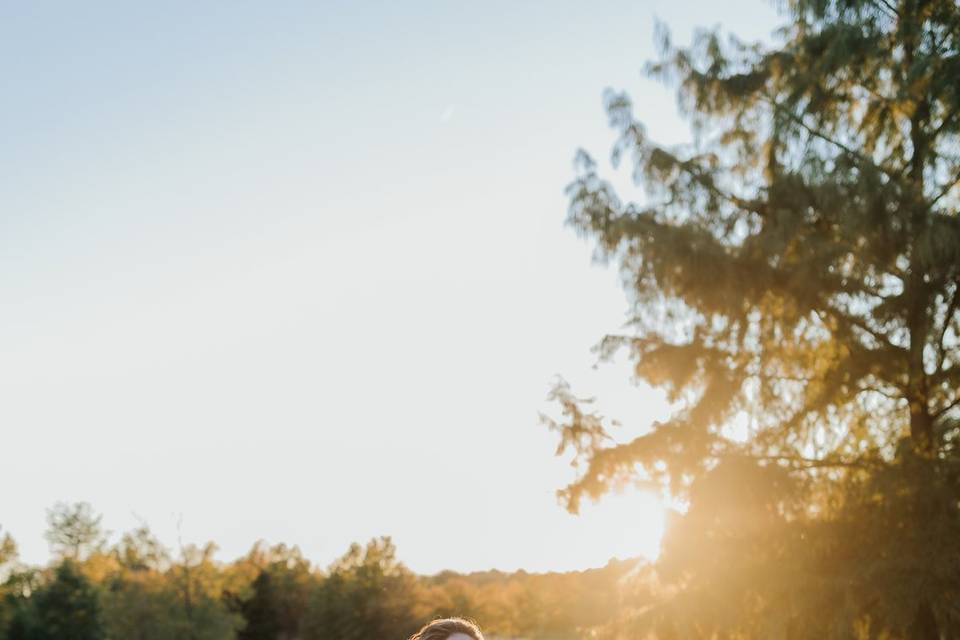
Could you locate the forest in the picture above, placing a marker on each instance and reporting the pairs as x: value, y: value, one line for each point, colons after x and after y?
x: 137, y: 588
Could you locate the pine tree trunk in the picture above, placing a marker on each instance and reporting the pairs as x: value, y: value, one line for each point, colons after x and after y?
x: 924, y: 625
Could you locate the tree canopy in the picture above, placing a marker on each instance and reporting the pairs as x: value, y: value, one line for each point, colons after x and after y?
x: 138, y: 589
x: 73, y: 530
x: 794, y: 278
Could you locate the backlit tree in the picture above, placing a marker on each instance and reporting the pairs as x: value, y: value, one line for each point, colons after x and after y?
x: 794, y: 275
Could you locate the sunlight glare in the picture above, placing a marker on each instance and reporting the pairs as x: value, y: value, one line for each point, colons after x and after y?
x: 638, y: 519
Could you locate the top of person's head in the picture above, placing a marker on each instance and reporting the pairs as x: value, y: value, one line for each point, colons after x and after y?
x: 447, y: 629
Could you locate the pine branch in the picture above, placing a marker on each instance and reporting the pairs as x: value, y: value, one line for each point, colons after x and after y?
x: 705, y: 180
x: 751, y: 206
x: 937, y: 43
x: 882, y: 392
x: 890, y: 173
x: 950, y: 375
x: 890, y: 7
x: 771, y: 377
x: 954, y: 403
x: 947, y: 121
x: 948, y: 187
x: 947, y: 321
x: 804, y: 463
x: 881, y: 337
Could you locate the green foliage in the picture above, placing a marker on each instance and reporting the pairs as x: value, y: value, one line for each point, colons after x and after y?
x: 197, y: 582
x: 141, y: 606
x: 68, y: 608
x: 260, y: 611
x: 149, y: 595
x: 278, y: 596
x: 138, y: 590
x: 796, y: 269
x: 8, y: 560
x: 141, y: 601
x: 367, y: 593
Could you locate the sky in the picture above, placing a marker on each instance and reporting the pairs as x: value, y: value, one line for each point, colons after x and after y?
x: 298, y: 271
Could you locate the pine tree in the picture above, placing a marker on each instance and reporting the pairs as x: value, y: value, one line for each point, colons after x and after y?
x: 367, y: 593
x: 795, y: 275
x: 68, y: 608
x: 259, y: 611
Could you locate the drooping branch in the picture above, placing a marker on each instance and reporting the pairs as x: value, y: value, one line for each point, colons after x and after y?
x: 802, y: 463
x: 892, y: 9
x: 947, y: 188
x: 947, y: 321
x: 946, y: 408
x: 817, y: 133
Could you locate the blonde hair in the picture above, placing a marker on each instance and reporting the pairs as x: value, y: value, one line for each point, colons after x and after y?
x: 443, y: 628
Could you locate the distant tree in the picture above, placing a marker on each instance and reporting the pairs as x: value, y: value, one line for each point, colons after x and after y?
x: 140, y: 550
x: 8, y: 551
x: 138, y: 590
x: 141, y: 605
x: 197, y: 581
x: 450, y: 594
x: 278, y: 596
x: 68, y: 608
x: 139, y: 599
x: 367, y: 593
x: 74, y: 530
x: 8, y: 556
x: 551, y: 606
x: 795, y: 280
x: 260, y: 611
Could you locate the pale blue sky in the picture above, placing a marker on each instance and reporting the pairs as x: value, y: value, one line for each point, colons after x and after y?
x: 298, y: 270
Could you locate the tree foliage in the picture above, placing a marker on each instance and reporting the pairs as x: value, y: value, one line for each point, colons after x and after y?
x: 367, y: 593
x: 138, y: 589
x: 74, y: 530
x: 278, y: 597
x: 794, y: 275
x: 68, y: 608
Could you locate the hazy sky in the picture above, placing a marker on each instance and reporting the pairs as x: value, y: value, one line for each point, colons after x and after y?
x: 298, y: 270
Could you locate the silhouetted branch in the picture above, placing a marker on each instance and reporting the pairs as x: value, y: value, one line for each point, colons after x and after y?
x: 819, y: 134
x: 809, y: 463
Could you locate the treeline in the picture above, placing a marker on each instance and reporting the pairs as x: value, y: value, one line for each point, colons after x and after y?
x: 138, y: 589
